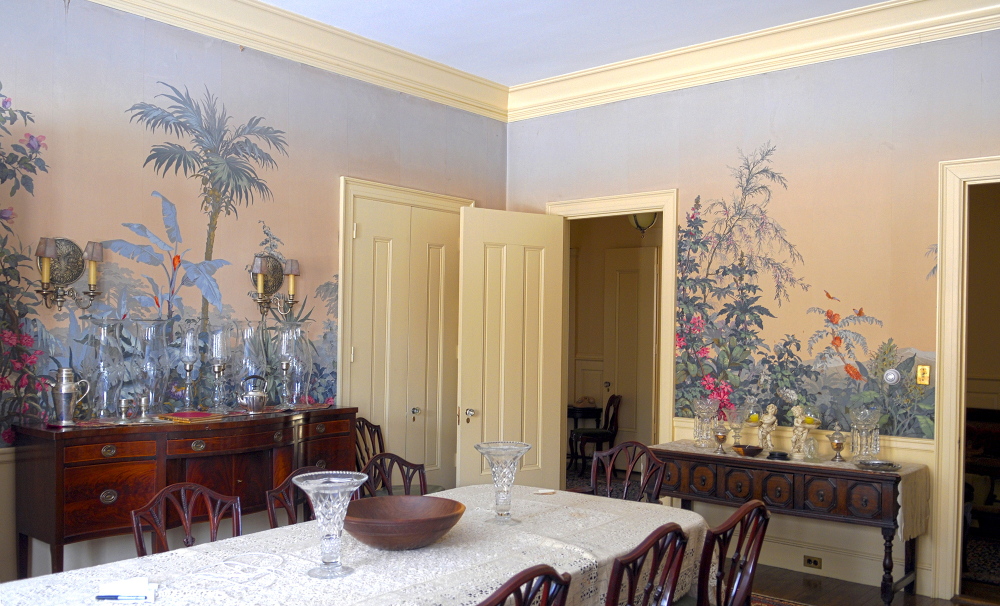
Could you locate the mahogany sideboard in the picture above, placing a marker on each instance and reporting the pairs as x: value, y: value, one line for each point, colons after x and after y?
x: 835, y: 493
x: 81, y: 483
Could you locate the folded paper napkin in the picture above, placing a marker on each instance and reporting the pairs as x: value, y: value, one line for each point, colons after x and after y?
x: 137, y: 589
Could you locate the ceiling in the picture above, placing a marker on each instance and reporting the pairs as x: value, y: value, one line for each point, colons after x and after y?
x: 518, y: 41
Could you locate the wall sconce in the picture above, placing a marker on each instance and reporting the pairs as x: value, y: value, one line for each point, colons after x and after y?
x: 642, y: 222
x: 267, y: 274
x: 61, y: 262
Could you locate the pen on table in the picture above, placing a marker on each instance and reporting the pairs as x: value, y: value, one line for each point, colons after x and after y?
x: 121, y: 598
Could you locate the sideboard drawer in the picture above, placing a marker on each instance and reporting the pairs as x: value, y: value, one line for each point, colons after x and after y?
x: 330, y: 453
x: 737, y: 484
x: 671, y: 476
x: 776, y: 490
x: 820, y: 493
x: 864, y: 499
x: 189, y: 446
x: 326, y: 428
x: 109, y: 451
x: 702, y: 479
x: 101, y: 497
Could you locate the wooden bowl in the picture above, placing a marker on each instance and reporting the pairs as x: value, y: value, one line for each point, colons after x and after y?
x: 401, y: 522
x: 748, y: 451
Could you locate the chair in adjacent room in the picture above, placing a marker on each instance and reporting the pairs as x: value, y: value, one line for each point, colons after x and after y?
x: 289, y: 496
x: 631, y: 458
x: 539, y: 584
x: 381, y: 469
x: 183, y: 499
x: 727, y: 580
x: 606, y: 434
x: 368, y: 442
x: 655, y: 583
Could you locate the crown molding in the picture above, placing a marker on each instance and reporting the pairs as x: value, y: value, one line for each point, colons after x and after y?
x: 883, y: 26
x: 269, y: 29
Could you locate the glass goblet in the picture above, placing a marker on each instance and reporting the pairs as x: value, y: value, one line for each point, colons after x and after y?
x: 503, y: 458
x: 720, y: 432
x: 704, y: 410
x: 329, y: 494
x: 736, y: 418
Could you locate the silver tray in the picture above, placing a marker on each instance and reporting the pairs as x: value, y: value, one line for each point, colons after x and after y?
x: 875, y: 465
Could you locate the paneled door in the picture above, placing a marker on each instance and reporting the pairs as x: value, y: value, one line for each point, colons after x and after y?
x: 630, y: 345
x: 512, y: 342
x: 399, y: 319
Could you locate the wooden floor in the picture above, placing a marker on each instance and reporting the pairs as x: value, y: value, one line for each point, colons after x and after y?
x: 823, y: 591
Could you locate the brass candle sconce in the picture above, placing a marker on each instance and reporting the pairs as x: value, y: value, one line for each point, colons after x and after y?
x: 268, y: 275
x: 61, y: 263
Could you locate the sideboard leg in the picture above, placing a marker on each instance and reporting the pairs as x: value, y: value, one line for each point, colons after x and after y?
x: 887, y: 592
x: 910, y: 564
x: 56, y: 553
x: 23, y: 555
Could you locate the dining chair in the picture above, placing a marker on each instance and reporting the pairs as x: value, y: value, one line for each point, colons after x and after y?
x: 380, y: 470
x: 540, y: 584
x: 289, y: 496
x: 664, y: 551
x: 368, y: 442
x: 728, y: 580
x: 636, y: 458
x: 183, y: 499
x: 606, y: 434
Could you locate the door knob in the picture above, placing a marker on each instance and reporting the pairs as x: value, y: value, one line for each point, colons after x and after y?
x: 470, y: 412
x: 415, y: 410
x: 607, y: 386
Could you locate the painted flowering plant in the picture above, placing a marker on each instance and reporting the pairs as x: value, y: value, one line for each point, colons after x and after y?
x: 23, y: 159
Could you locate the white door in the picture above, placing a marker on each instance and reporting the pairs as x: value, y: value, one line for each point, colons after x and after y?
x: 399, y: 320
x: 630, y: 347
x: 512, y: 342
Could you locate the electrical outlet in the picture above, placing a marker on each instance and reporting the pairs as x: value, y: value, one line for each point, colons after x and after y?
x: 923, y: 374
x: 812, y: 562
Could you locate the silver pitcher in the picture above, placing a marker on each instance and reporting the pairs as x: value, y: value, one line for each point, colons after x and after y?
x: 65, y: 395
x: 254, y: 400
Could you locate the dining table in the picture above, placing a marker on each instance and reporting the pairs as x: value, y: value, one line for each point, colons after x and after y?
x: 575, y: 533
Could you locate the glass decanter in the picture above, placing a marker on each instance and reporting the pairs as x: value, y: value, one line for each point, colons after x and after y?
x: 705, y: 410
x: 503, y: 458
x: 329, y: 494
x: 102, y: 365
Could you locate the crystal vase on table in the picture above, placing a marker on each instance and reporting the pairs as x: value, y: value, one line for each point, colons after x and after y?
x: 503, y: 458
x: 329, y: 494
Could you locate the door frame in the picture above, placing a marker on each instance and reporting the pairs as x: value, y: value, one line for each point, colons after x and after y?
x: 954, y: 180
x: 350, y: 190
x: 664, y: 201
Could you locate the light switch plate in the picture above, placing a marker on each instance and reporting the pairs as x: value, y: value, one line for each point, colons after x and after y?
x: 923, y: 374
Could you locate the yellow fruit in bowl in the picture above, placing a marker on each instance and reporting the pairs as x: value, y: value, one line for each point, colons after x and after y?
x: 810, y: 420
x: 754, y: 418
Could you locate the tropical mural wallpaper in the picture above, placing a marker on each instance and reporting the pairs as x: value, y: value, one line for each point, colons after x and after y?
x: 730, y: 251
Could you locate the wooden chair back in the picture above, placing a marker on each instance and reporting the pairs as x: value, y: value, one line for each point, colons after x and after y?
x: 611, y: 415
x: 634, y: 457
x: 368, y: 442
x: 733, y: 574
x: 651, y: 569
x: 381, y: 469
x: 183, y: 499
x: 540, y: 585
x: 289, y: 496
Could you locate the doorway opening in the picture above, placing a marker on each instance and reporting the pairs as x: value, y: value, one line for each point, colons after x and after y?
x: 981, y: 512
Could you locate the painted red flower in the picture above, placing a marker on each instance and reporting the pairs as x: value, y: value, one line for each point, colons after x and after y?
x: 32, y: 142
x: 9, y: 338
x: 16, y: 365
x: 832, y: 317
x: 23, y: 381
x: 6, y: 103
x: 837, y: 342
x: 7, y: 435
x: 853, y: 372
x: 27, y: 340
x: 704, y: 352
x: 679, y: 343
x: 177, y: 261
x: 5, y: 384
x: 7, y: 215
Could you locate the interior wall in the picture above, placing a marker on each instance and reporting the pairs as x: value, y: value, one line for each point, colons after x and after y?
x: 982, y: 362
x: 79, y: 67
x: 857, y: 143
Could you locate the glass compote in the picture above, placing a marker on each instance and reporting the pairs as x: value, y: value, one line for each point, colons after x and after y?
x: 503, y: 458
x: 864, y: 431
x: 329, y: 493
x: 705, y: 410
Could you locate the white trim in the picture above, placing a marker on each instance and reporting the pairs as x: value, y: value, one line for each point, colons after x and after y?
x: 350, y: 190
x: 954, y: 180
x: 877, y: 27
x: 266, y: 28
x: 882, y: 26
x: 664, y: 201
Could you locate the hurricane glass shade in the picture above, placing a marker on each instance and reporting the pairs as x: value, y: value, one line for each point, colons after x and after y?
x: 94, y: 252
x: 46, y: 248
x: 291, y: 267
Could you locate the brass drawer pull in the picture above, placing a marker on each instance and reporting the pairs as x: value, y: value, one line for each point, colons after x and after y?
x: 321, y: 463
x: 864, y: 501
x: 277, y: 436
x: 668, y: 476
x: 777, y: 492
x: 822, y: 496
x: 198, y: 445
x: 739, y: 487
x: 109, y: 496
x: 321, y: 428
x: 109, y: 450
x: 702, y: 480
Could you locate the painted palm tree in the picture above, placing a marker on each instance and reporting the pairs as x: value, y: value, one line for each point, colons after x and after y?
x: 222, y: 158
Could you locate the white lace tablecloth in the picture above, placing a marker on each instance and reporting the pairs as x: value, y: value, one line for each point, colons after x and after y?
x: 574, y: 533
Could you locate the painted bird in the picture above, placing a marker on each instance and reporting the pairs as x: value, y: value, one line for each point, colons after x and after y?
x: 829, y: 296
x: 860, y: 312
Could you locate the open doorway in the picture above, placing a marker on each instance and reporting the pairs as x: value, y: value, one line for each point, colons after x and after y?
x: 614, y: 315
x: 981, y: 513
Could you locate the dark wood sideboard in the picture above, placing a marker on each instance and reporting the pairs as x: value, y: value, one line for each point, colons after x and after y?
x: 820, y: 492
x: 82, y: 483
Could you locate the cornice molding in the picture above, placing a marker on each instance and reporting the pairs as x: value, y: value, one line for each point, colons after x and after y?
x: 883, y: 26
x: 266, y: 28
x: 877, y: 27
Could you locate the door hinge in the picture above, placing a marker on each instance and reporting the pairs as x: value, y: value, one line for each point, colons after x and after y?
x: 352, y: 354
x: 355, y: 232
